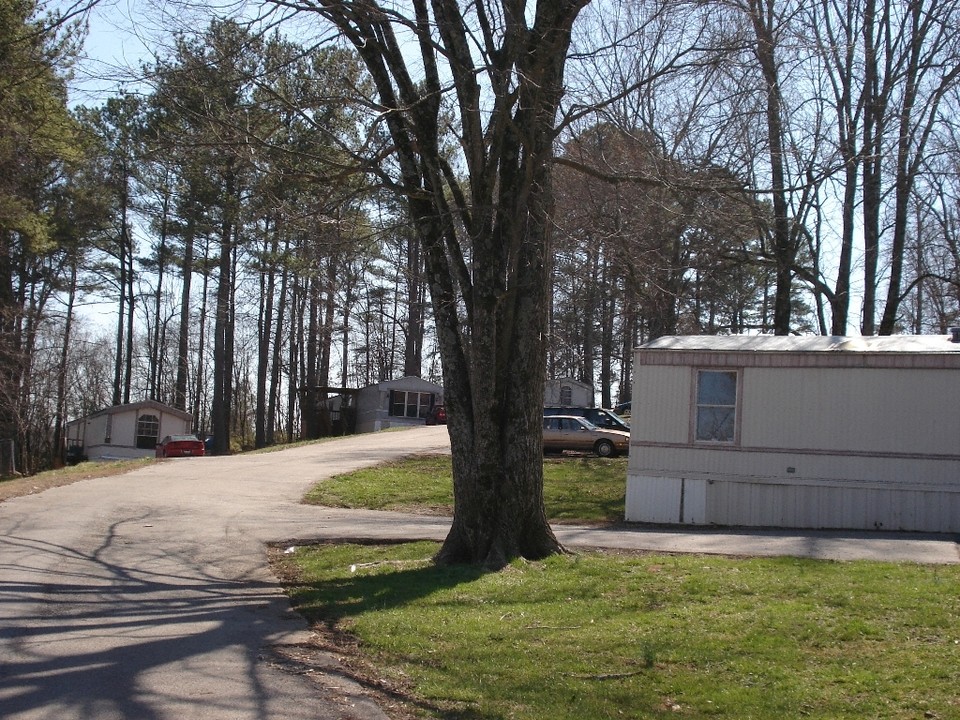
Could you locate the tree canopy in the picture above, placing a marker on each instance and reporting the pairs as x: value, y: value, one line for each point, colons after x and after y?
x: 488, y: 193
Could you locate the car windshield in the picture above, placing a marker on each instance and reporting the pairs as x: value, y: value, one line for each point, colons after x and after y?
x: 183, y: 438
x: 587, y: 424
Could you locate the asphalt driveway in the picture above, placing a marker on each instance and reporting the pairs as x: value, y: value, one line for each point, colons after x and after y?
x: 148, y: 595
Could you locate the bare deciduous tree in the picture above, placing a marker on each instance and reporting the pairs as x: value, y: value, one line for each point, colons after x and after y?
x: 497, y: 67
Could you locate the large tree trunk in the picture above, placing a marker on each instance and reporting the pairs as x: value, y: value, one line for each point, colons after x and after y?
x: 489, y: 293
x: 495, y: 418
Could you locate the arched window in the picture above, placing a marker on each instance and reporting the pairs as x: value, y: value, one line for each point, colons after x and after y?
x: 148, y: 431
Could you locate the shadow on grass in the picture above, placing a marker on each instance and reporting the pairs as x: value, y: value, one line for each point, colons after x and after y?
x: 378, y: 586
x: 330, y: 601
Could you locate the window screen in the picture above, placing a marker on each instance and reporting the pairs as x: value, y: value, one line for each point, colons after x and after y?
x: 716, y: 406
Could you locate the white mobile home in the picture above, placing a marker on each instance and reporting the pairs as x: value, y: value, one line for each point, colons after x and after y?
x: 125, y: 431
x: 803, y: 432
x: 568, y: 392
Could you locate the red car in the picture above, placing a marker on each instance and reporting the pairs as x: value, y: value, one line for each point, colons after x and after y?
x: 180, y: 446
x: 437, y: 415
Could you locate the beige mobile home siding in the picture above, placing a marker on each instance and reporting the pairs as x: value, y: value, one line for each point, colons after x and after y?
x: 661, y: 405
x: 854, y: 440
x: 868, y: 410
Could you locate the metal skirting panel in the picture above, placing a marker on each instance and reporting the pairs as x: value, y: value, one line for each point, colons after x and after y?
x: 666, y: 500
x: 756, y: 503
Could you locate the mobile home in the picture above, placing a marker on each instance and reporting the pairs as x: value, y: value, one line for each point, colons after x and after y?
x: 125, y: 431
x: 801, y: 432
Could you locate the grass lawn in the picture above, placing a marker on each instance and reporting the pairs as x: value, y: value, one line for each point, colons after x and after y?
x: 576, y: 488
x: 607, y: 635
x: 644, y: 636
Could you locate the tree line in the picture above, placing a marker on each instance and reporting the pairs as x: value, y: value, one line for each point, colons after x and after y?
x: 247, y: 219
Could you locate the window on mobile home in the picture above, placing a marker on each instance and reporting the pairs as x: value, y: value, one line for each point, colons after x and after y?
x: 716, y: 406
x: 148, y: 431
x: 410, y: 404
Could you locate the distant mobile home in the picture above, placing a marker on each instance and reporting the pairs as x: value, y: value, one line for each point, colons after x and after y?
x: 799, y: 432
x: 125, y: 431
x: 395, y: 403
x: 567, y: 391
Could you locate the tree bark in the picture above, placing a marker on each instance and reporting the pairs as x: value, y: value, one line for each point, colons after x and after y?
x: 494, y: 355
x: 928, y: 49
x: 222, y: 380
x: 264, y: 328
x: 874, y: 113
x: 60, y: 420
x: 784, y: 251
x: 183, y: 338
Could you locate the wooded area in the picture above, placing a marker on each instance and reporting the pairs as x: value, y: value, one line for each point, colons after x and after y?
x: 253, y: 217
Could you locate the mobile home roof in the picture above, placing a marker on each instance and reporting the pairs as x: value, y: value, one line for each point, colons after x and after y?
x: 908, y: 351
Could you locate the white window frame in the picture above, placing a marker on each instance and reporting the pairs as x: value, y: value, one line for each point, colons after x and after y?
x: 415, y: 404
x: 705, y: 407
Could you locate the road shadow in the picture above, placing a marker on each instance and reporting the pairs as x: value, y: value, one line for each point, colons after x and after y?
x: 84, y: 636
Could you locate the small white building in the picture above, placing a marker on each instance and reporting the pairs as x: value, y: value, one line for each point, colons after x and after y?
x: 802, y: 432
x: 394, y: 403
x: 126, y: 431
x: 568, y: 392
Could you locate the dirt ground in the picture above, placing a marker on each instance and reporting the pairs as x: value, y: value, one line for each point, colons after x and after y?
x: 16, y: 487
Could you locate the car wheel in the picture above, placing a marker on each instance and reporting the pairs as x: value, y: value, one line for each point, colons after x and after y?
x: 604, y: 448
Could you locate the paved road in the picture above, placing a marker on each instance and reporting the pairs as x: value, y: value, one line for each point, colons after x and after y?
x: 147, y: 596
